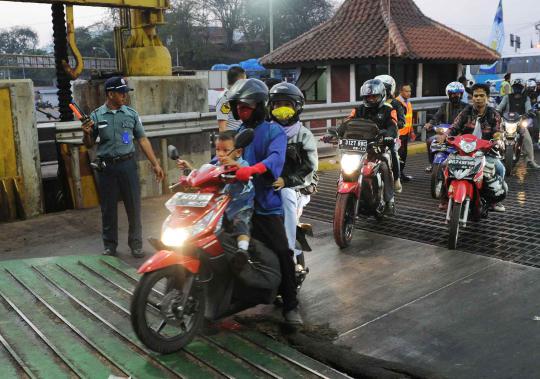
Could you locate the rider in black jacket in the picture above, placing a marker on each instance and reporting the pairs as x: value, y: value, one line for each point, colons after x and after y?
x: 374, y: 108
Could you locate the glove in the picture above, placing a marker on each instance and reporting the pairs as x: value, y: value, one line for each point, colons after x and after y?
x: 244, y: 173
x: 327, y: 138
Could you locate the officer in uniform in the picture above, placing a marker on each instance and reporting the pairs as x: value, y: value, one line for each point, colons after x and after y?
x: 117, y: 125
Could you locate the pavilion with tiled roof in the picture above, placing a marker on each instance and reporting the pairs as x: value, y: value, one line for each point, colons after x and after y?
x: 354, y: 46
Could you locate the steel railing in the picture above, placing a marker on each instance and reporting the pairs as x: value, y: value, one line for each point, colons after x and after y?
x: 164, y: 125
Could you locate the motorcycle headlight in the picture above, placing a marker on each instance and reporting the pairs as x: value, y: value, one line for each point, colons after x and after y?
x: 350, y: 163
x: 467, y: 147
x: 525, y: 123
x: 174, y: 237
x: 511, y: 127
x: 177, y: 236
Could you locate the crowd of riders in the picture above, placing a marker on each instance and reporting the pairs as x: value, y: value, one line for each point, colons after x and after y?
x: 281, y: 162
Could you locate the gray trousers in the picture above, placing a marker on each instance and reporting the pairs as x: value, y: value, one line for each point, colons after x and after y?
x: 120, y: 180
x: 528, y: 149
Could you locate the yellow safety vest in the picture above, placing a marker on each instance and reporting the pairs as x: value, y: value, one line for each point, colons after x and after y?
x: 407, y: 129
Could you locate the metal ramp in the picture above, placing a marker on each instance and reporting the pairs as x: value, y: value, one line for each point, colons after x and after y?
x: 68, y: 317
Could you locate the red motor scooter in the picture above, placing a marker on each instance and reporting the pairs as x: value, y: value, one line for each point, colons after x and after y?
x: 464, y: 178
x: 190, y: 277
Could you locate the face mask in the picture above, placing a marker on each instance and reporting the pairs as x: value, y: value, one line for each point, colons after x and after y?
x: 283, y: 114
x: 244, y: 112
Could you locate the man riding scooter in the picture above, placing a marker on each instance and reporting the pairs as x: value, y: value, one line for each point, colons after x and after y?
x: 483, y: 122
x: 518, y: 102
x: 375, y: 109
x: 446, y: 114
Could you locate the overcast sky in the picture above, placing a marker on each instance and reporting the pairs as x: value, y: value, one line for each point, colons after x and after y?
x: 472, y: 17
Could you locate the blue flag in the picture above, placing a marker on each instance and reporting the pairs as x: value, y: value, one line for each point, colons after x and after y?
x: 496, y: 37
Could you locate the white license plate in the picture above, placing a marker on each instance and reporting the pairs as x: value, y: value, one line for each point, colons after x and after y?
x: 462, y: 162
x: 353, y: 144
x: 197, y: 200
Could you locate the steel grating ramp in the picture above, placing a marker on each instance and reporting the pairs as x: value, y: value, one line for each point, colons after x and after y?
x: 68, y: 317
x: 513, y: 236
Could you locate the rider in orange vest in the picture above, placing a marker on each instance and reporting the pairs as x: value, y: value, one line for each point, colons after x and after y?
x: 406, y: 133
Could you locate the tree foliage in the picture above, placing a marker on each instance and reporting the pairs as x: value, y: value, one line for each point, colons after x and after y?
x: 291, y: 18
x: 190, y: 32
x: 94, y: 40
x: 18, y: 40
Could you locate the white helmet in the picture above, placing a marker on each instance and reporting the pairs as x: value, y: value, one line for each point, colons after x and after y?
x: 455, y: 87
x: 388, y: 82
x: 531, y: 84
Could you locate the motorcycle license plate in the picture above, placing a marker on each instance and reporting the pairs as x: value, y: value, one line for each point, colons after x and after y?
x: 196, y: 200
x: 462, y: 162
x: 353, y: 144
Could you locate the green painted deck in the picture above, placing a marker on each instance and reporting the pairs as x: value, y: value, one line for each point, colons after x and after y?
x: 68, y: 317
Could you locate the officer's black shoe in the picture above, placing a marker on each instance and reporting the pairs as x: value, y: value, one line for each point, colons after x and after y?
x: 137, y: 253
x: 406, y: 178
x: 109, y: 251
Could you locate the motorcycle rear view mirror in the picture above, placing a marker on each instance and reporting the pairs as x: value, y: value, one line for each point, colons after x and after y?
x: 244, y: 138
x: 172, y: 152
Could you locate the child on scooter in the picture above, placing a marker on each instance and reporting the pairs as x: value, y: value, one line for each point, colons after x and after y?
x: 240, y: 209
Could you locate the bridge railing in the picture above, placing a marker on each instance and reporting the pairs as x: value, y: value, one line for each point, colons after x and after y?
x: 188, y: 123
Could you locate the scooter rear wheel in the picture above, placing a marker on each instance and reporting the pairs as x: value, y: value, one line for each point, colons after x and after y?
x: 344, y: 216
x: 453, y: 226
x: 156, y: 316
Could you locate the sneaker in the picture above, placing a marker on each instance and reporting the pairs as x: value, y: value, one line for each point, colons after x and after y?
x: 428, y: 169
x: 397, y: 186
x: 406, y: 178
x: 498, y: 207
x: 533, y: 164
x: 293, y: 317
x: 390, y: 208
x: 443, y: 206
x: 137, y: 253
x: 110, y: 252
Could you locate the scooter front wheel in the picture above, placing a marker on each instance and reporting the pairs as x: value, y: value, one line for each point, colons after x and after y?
x: 437, y: 181
x: 344, y: 216
x: 165, y: 315
x: 453, y: 226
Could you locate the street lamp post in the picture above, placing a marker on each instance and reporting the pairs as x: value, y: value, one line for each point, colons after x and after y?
x: 271, y: 12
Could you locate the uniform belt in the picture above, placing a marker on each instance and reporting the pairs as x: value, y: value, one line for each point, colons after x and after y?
x: 117, y: 159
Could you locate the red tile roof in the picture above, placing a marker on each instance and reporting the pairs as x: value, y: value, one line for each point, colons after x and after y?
x: 359, y: 30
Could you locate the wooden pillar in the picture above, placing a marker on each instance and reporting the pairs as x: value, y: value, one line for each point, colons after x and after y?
x: 352, y: 78
x: 328, y: 90
x: 419, y: 80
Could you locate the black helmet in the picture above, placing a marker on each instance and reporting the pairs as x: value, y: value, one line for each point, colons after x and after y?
x: 370, y: 88
x: 250, y: 91
x: 287, y: 92
x: 495, y: 189
x: 518, y: 86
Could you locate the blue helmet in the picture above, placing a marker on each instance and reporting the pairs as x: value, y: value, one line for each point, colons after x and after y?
x: 455, y: 87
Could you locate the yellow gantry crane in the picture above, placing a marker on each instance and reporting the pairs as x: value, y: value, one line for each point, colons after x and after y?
x: 139, y: 52
x: 142, y: 54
